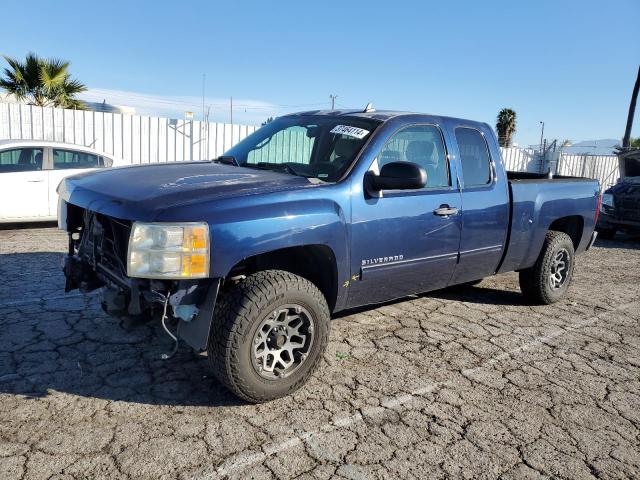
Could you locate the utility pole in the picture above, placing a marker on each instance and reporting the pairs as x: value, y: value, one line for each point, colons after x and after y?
x: 204, y: 77
x: 333, y: 101
x: 206, y: 119
x: 632, y: 110
x: 231, y: 109
x: 541, y: 135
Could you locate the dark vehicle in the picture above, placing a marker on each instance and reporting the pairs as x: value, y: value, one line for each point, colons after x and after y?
x: 315, y: 213
x: 620, y: 209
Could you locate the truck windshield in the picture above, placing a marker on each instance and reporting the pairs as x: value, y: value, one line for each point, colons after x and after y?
x: 310, y: 146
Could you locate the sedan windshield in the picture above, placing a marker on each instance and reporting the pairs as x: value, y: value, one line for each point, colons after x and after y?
x: 310, y: 146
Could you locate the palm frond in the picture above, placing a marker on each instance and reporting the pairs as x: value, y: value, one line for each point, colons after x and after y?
x: 53, y: 73
x: 42, y: 82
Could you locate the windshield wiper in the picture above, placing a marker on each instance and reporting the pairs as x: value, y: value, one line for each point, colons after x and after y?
x: 227, y: 160
x: 276, y: 166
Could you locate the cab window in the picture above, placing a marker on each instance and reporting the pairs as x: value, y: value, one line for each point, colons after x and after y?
x: 21, y: 160
x: 422, y: 145
x: 474, y: 157
x: 66, y: 159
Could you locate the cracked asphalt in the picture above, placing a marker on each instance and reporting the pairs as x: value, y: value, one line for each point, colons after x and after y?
x: 461, y: 383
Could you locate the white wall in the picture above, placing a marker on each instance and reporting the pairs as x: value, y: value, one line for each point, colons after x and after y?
x: 134, y: 138
x: 604, y: 168
x: 143, y: 139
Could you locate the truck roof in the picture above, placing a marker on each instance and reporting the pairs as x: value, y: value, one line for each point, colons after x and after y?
x: 381, y: 115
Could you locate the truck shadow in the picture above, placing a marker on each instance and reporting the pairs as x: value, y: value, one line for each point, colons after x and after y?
x: 27, y: 225
x: 475, y: 294
x: 624, y: 241
x: 54, y: 341
x: 480, y: 294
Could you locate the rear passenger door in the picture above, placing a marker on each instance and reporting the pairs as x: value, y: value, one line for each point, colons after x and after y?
x: 23, y: 185
x: 485, y: 206
x: 64, y: 163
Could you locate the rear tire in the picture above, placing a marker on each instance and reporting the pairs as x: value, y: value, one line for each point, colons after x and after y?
x: 548, y: 280
x: 269, y: 333
x: 606, y: 233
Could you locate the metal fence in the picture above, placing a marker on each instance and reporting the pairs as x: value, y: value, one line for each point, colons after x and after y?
x: 521, y: 160
x: 145, y: 139
x: 133, y: 138
x: 603, y: 168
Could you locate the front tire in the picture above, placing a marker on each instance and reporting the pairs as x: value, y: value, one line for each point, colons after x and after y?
x: 269, y: 333
x: 548, y: 280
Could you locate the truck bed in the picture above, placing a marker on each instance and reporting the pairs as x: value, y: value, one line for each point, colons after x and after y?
x: 536, y: 203
x: 539, y: 177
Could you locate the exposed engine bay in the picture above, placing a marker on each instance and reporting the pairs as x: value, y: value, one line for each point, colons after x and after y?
x: 96, y: 259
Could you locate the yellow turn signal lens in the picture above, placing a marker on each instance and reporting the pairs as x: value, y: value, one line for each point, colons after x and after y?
x: 198, y: 238
x: 194, y: 265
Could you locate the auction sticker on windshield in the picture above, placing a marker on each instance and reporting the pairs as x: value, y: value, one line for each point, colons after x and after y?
x: 348, y: 131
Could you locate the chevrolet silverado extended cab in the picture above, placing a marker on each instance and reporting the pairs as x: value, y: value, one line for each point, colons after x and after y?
x: 247, y: 256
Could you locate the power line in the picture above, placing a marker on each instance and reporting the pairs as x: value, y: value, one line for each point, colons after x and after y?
x: 194, y: 103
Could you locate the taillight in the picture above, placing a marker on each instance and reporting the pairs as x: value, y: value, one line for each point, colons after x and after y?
x: 598, y: 205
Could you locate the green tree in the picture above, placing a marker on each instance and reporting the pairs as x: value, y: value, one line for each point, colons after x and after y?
x: 634, y: 143
x: 45, y: 82
x: 506, y: 126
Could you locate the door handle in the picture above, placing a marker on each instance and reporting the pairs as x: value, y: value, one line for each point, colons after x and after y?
x: 35, y: 181
x: 445, y: 211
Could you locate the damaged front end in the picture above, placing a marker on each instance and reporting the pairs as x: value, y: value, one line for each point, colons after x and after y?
x: 97, y: 259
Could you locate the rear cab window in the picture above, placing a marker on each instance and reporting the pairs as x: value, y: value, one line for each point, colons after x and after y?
x: 474, y: 157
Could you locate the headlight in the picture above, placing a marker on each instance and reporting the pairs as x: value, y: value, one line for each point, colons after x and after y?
x: 168, y: 250
x: 607, y: 200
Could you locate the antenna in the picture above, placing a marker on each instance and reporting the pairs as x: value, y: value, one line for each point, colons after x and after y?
x: 369, y: 108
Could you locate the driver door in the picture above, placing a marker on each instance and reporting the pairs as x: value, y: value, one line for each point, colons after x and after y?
x: 401, y: 242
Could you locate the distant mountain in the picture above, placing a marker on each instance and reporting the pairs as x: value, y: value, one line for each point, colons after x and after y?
x: 594, y: 147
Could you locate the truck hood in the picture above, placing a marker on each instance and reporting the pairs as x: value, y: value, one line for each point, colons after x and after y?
x: 141, y: 192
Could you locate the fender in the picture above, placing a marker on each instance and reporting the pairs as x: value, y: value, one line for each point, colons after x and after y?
x: 247, y: 226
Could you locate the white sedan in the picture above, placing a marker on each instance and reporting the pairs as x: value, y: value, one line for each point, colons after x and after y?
x: 30, y: 171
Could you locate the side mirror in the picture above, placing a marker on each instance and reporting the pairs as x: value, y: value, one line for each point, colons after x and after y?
x: 398, y: 176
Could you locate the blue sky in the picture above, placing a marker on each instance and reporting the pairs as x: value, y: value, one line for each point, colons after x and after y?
x: 567, y: 63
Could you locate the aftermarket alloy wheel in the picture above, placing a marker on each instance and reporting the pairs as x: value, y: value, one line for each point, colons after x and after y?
x: 548, y: 280
x: 268, y: 335
x: 283, y: 341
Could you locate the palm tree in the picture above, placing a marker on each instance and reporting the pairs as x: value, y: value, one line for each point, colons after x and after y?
x: 42, y: 82
x: 506, y: 126
x: 632, y: 111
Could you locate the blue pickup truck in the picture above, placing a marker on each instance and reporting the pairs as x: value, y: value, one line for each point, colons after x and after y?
x: 248, y: 255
